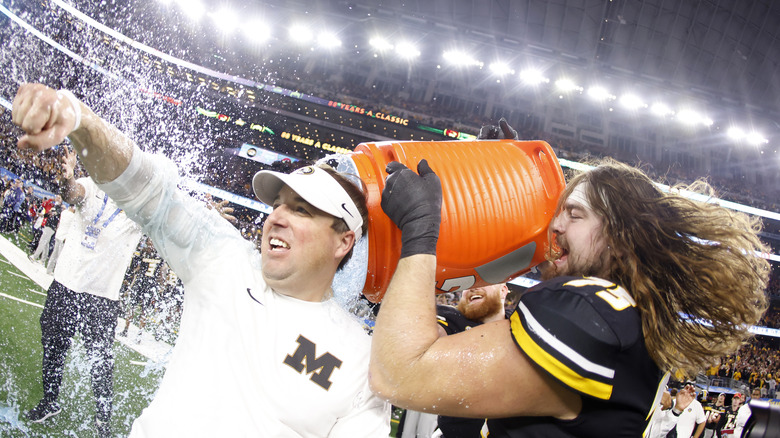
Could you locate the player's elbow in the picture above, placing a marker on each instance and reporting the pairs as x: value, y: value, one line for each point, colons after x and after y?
x: 387, y: 384
x: 378, y: 383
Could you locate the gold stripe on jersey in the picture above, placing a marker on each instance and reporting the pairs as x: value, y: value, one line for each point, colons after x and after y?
x: 559, y: 370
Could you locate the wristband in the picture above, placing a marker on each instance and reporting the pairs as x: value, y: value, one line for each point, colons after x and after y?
x: 675, y: 412
x: 76, y: 106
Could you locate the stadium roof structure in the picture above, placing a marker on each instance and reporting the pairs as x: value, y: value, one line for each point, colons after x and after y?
x: 725, y: 50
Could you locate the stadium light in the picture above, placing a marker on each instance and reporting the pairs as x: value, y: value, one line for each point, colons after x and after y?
x: 300, y: 34
x: 194, y: 9
x: 461, y: 59
x: 328, y: 40
x: 380, y: 44
x: 661, y: 110
x: 599, y: 93
x: 407, y: 50
x: 688, y: 117
x: 567, y: 85
x: 735, y: 133
x: 755, y: 139
x: 225, y: 19
x: 257, y: 31
x: 501, y: 69
x: 631, y: 101
x: 533, y: 77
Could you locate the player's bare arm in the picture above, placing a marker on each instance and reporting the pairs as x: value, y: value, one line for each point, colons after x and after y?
x: 412, y: 366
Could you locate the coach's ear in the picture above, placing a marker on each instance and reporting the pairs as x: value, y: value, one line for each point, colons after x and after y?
x: 346, y: 242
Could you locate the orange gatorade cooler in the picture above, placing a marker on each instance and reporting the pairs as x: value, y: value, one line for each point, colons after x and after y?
x: 499, y: 197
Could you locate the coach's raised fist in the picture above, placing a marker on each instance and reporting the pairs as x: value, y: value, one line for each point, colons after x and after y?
x: 46, y: 115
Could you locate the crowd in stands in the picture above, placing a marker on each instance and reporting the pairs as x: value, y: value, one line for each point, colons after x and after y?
x: 755, y: 365
x: 772, y: 317
x: 40, y: 169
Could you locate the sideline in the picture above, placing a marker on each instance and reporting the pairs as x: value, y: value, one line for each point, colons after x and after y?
x: 137, y: 340
x: 20, y: 300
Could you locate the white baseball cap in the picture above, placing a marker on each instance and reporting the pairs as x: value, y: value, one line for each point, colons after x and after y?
x: 314, y: 185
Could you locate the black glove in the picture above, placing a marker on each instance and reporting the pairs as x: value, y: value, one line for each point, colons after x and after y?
x: 493, y: 132
x: 413, y: 203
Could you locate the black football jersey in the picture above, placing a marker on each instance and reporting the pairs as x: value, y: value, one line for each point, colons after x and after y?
x: 452, y: 321
x: 587, y: 334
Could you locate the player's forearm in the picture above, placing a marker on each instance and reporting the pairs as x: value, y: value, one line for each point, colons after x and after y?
x: 699, y: 430
x: 104, y: 150
x: 406, y: 327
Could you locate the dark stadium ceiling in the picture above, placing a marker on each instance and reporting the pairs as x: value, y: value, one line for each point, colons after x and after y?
x: 726, y: 49
x: 723, y: 51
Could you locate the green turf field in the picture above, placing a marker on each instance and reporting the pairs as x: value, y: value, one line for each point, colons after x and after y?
x: 21, y: 301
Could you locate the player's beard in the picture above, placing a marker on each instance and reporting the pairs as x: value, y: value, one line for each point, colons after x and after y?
x: 597, y: 267
x: 489, y: 306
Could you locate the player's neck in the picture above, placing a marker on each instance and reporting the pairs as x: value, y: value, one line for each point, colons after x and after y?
x: 498, y: 316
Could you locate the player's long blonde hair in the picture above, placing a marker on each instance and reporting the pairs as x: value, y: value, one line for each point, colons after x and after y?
x: 691, y: 266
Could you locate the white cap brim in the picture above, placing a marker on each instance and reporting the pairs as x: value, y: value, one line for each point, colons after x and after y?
x: 314, y: 185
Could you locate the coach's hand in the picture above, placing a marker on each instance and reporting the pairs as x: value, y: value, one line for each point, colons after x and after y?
x: 413, y: 203
x: 502, y: 131
x: 45, y: 115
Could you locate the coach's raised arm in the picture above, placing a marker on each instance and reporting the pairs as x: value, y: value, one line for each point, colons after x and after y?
x: 264, y: 348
